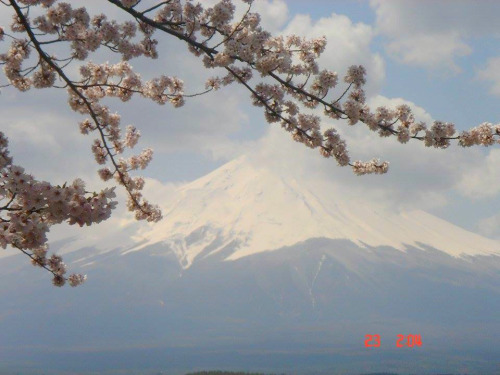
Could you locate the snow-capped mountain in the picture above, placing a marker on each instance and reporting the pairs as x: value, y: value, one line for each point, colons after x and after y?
x: 251, y: 269
x: 261, y: 211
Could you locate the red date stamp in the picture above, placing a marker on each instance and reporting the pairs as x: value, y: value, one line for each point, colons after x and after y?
x: 372, y: 341
x: 410, y: 341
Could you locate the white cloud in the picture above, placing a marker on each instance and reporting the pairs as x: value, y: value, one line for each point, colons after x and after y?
x: 434, y: 34
x: 491, y: 74
x: 490, y: 226
x: 381, y: 101
x: 481, y: 181
x: 348, y: 44
x: 430, y: 51
x: 28, y: 132
x: 419, y: 177
x: 46, y: 141
x: 273, y: 13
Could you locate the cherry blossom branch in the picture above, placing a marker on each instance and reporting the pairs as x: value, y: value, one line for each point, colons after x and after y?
x: 353, y: 109
x: 335, y: 145
x: 157, y: 25
x: 33, y: 206
x: 55, y: 267
x: 75, y: 90
x: 149, y: 212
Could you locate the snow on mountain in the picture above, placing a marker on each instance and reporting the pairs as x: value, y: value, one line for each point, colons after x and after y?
x: 250, y: 206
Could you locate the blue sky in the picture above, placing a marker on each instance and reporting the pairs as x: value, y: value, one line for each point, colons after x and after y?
x: 460, y: 98
x: 427, y: 53
x: 414, y: 83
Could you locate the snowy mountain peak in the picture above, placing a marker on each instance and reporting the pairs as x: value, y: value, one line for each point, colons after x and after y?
x: 254, y: 210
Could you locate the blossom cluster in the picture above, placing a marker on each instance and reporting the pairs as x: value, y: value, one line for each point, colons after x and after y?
x: 372, y: 166
x: 30, y: 207
x: 86, y: 34
x: 483, y: 134
x: 109, y: 125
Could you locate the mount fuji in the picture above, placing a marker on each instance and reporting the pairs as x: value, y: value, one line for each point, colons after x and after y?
x: 255, y: 270
x: 250, y: 206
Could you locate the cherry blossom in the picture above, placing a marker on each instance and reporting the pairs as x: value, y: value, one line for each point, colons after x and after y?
x: 30, y: 207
